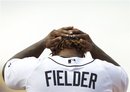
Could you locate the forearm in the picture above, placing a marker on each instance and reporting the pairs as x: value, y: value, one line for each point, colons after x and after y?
x: 34, y: 50
x: 98, y: 53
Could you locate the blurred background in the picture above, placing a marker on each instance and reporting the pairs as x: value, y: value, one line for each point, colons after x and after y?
x: 23, y: 22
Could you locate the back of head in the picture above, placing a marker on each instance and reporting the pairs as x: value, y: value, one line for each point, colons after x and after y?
x: 71, y: 42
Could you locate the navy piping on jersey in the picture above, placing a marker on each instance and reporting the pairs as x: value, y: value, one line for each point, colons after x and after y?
x: 71, y: 65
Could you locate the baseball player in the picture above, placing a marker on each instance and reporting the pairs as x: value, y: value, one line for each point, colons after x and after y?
x: 68, y: 69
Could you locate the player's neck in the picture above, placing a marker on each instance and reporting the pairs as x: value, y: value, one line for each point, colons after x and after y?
x: 69, y: 53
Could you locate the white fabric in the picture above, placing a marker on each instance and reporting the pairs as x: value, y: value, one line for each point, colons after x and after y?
x: 57, y: 74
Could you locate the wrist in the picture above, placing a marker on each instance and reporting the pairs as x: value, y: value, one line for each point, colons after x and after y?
x: 93, y: 47
x: 42, y: 44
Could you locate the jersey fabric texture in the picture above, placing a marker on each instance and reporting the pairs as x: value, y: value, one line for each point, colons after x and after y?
x: 58, y: 74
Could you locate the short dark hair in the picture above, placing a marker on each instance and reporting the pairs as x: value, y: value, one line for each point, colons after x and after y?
x: 70, y: 42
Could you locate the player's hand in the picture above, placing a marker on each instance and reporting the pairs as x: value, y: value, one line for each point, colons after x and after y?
x: 55, y: 36
x: 84, y: 38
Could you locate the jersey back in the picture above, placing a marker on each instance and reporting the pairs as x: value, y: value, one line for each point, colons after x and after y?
x: 57, y: 74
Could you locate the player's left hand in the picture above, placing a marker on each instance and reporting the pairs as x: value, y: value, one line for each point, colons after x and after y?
x: 84, y: 38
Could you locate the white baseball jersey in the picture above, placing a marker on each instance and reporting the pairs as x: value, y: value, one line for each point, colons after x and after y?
x: 58, y: 74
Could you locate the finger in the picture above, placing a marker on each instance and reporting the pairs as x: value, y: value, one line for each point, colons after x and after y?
x: 60, y: 32
x: 67, y: 28
x: 83, y: 36
x: 78, y: 36
x: 64, y: 32
x: 76, y: 31
x: 87, y: 44
x: 53, y: 42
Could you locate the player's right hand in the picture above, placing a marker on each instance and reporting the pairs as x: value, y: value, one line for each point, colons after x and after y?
x: 55, y: 36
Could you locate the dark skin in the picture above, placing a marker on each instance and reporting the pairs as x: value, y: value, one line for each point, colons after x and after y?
x: 53, y: 37
x: 96, y: 52
x: 37, y: 48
